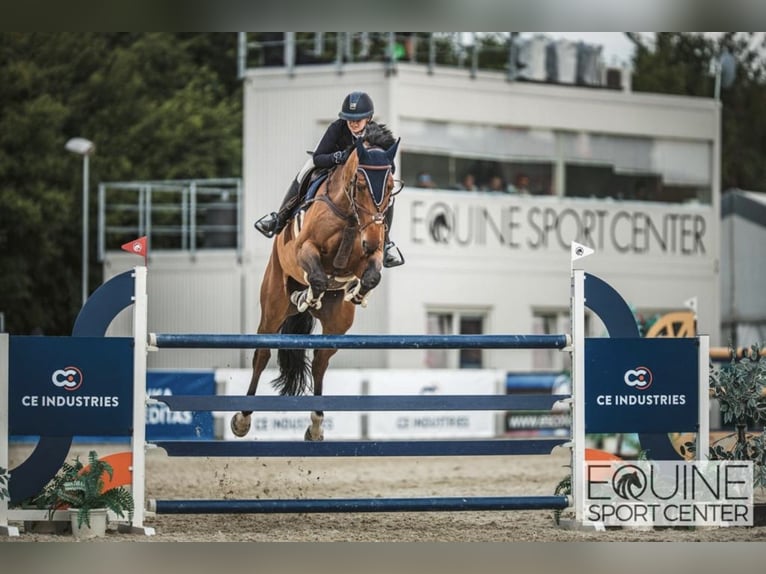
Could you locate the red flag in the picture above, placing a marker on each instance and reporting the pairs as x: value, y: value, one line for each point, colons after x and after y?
x: 137, y: 247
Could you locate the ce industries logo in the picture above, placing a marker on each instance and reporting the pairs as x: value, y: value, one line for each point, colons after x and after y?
x: 639, y: 378
x: 69, y: 378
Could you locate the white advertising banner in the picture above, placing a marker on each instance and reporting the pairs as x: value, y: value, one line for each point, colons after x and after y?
x: 292, y: 425
x: 433, y: 424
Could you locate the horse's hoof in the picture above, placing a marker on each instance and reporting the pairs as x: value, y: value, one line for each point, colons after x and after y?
x: 240, y: 424
x: 309, y: 437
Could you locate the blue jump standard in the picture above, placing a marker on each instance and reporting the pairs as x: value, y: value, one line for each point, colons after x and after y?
x: 359, y: 505
x: 360, y: 402
x: 359, y: 448
x: 272, y: 341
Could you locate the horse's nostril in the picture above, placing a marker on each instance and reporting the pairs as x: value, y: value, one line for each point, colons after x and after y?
x: 367, y: 247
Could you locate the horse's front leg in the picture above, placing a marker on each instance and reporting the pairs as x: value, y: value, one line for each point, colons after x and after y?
x: 316, y: 277
x: 357, y: 293
x: 318, y: 368
x: 337, y: 317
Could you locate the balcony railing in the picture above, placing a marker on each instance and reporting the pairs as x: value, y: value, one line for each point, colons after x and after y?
x: 535, y: 59
x: 186, y: 215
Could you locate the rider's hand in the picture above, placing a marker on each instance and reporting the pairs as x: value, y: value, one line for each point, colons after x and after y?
x: 339, y: 157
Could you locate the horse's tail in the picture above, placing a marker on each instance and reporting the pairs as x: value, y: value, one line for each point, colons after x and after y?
x: 294, y: 366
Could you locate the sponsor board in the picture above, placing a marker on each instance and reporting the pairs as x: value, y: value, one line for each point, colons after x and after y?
x: 638, y: 385
x: 66, y: 386
x: 345, y: 425
x: 164, y: 424
x: 433, y: 424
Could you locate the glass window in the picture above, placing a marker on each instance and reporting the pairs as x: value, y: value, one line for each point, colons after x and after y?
x: 454, y: 323
x: 636, y: 168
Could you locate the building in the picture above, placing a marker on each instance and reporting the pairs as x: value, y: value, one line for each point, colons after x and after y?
x: 633, y: 175
x: 743, y: 233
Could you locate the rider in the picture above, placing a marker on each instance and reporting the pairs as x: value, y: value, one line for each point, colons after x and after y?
x: 333, y: 149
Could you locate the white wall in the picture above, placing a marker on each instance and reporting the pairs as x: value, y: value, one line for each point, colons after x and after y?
x: 509, y: 277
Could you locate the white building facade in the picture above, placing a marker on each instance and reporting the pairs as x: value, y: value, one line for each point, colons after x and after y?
x: 635, y: 176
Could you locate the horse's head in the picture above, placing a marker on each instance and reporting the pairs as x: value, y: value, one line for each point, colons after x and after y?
x: 371, y: 187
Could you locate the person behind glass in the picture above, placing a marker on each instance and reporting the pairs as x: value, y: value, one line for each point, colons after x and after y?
x: 424, y: 179
x: 333, y: 149
x: 468, y: 183
x: 496, y: 183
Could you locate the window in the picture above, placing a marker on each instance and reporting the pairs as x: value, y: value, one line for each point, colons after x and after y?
x: 640, y: 168
x: 454, y: 323
x: 562, y: 163
x: 553, y: 322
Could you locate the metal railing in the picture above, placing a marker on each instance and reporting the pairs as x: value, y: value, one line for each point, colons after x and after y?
x: 519, y: 58
x: 186, y: 215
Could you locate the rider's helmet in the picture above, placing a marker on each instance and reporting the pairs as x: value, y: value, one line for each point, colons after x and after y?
x: 357, y: 106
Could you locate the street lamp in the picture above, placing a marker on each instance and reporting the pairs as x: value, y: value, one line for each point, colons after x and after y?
x: 85, y: 148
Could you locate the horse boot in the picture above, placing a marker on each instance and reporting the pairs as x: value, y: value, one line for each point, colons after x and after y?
x: 392, y: 256
x: 271, y: 224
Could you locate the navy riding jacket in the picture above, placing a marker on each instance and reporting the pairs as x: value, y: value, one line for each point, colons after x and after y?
x: 337, y: 138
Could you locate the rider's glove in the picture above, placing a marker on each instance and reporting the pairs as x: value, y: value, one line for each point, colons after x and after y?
x: 339, y: 157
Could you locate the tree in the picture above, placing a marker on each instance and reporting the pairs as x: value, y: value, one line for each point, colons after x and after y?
x: 684, y: 64
x: 158, y: 106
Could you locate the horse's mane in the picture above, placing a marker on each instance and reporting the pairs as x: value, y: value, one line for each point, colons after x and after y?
x: 378, y: 135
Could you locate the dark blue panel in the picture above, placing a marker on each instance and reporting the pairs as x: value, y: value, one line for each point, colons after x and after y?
x: 94, y: 318
x: 104, y: 305
x: 163, y: 423
x: 641, y: 385
x: 617, y: 316
x: 65, y: 386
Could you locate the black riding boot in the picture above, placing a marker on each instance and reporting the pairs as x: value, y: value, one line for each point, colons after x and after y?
x: 392, y: 257
x: 274, y: 222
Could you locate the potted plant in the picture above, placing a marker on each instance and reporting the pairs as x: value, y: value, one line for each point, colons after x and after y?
x: 739, y: 388
x: 4, y: 477
x: 80, y: 488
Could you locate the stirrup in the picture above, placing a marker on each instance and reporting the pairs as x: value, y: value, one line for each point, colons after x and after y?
x: 268, y: 224
x: 392, y: 256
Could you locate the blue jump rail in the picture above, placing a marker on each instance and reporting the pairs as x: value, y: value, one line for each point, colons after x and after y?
x: 456, y: 447
x: 360, y: 403
x: 269, y: 341
x: 437, y: 504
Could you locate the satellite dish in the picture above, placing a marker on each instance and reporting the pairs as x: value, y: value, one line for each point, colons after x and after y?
x: 728, y: 69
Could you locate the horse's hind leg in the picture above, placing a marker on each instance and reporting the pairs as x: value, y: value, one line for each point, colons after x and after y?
x: 241, y: 421
x: 274, y: 308
x: 337, y: 317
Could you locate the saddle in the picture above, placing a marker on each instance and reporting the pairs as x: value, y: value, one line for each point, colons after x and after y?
x: 308, y: 190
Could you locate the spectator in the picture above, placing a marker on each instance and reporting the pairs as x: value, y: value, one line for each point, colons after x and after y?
x: 521, y: 185
x: 496, y: 184
x: 468, y: 183
x: 425, y: 180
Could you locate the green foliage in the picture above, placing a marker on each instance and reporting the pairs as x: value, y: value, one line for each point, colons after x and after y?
x: 75, y: 487
x: 563, y: 488
x: 739, y: 388
x: 157, y: 106
x: 682, y: 63
x: 4, y: 478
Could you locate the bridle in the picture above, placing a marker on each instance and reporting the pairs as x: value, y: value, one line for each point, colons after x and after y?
x: 353, y: 219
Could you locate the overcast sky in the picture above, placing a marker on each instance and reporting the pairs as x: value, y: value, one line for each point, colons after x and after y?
x: 617, y: 48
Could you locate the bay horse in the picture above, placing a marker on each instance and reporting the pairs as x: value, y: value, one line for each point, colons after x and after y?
x: 323, y: 265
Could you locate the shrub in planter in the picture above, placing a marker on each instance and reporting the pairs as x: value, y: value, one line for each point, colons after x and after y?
x: 4, y: 477
x: 739, y: 388
x: 81, y: 487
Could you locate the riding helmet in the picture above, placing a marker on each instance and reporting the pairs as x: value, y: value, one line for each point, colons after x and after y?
x: 357, y: 106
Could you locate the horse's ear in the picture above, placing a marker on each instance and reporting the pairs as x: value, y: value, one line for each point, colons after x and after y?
x: 361, y: 151
x: 391, y: 152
